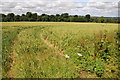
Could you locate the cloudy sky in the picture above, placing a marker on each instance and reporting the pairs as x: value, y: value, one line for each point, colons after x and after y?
x: 108, y: 8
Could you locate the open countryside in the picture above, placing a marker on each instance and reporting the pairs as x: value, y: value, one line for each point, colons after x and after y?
x: 60, y: 50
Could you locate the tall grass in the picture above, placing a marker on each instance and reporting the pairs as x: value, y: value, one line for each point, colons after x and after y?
x: 26, y: 55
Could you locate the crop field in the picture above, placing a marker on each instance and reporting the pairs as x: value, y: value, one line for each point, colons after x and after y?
x: 60, y: 50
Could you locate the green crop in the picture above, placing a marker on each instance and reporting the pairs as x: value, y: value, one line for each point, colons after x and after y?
x: 38, y: 49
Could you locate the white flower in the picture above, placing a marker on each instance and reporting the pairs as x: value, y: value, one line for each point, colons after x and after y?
x: 66, y: 56
x: 79, y: 54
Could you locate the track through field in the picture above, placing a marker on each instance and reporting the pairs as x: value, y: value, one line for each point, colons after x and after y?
x: 51, y: 45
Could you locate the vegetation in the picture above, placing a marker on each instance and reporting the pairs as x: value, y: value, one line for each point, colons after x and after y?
x: 39, y: 49
x: 65, y: 17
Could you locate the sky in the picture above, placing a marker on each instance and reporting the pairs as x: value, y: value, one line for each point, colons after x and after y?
x: 107, y: 8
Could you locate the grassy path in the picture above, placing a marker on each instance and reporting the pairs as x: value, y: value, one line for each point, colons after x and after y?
x: 31, y: 55
x: 9, y: 38
x: 12, y: 60
x: 51, y: 45
x: 11, y: 41
x: 11, y: 55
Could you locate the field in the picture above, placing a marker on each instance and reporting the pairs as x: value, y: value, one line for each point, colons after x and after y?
x: 59, y: 50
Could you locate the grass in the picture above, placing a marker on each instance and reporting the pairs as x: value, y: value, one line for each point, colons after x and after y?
x: 27, y: 55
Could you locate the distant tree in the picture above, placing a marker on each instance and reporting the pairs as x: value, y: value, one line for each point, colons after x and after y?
x: 23, y: 15
x: 29, y: 15
x: 24, y: 18
x: 102, y: 20
x: 43, y: 14
x: 65, y: 17
x: 81, y: 19
x: 72, y: 18
x: 87, y: 17
x: 76, y: 19
x: 34, y: 17
x: 17, y: 18
x: 75, y: 15
x: 10, y: 17
x: 94, y: 19
x: 118, y: 20
x: 45, y: 18
x: 3, y: 16
x: 39, y: 18
x: 52, y: 18
x: 57, y: 17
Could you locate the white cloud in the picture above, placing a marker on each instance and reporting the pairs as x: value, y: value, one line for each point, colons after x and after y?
x: 109, y: 0
x: 92, y: 0
x: 27, y: 0
x: 60, y: 6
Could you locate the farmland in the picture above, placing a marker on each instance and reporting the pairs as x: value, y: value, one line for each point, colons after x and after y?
x: 59, y: 50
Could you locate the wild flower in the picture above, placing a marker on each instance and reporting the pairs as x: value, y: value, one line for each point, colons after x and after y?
x: 66, y: 56
x: 79, y: 54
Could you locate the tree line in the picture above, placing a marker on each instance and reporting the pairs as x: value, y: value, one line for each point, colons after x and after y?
x: 64, y: 17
